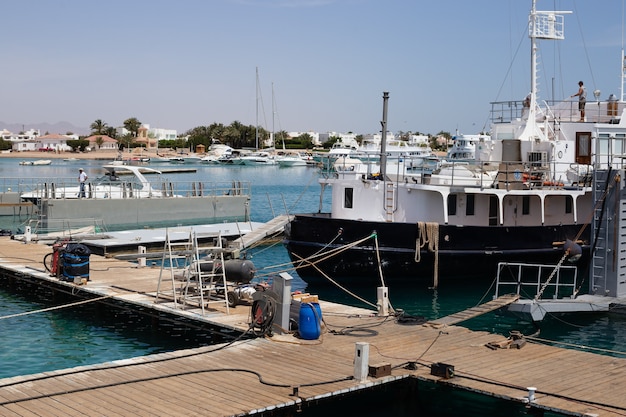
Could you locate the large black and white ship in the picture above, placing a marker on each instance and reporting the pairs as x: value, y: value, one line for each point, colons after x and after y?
x: 524, y: 197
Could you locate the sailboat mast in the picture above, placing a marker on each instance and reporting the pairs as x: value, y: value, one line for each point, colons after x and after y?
x: 273, y: 113
x: 256, y: 126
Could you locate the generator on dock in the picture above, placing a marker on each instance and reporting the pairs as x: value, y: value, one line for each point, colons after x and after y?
x: 238, y: 272
x: 73, y: 263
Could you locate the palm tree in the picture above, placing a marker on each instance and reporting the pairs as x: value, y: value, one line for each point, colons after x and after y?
x: 111, y: 132
x: 132, y: 125
x: 98, y: 127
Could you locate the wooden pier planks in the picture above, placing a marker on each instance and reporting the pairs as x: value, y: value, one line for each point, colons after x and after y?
x: 274, y: 226
x: 476, y: 311
x: 210, y: 382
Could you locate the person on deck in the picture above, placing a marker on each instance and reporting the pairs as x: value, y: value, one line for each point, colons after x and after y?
x: 582, y: 100
x: 82, y: 178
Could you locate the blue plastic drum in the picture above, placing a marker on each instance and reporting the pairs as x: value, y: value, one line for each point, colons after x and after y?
x: 309, y: 321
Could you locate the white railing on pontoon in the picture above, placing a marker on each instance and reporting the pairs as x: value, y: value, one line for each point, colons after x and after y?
x: 537, y: 281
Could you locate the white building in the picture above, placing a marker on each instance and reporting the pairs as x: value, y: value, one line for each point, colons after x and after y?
x: 47, y: 143
x: 315, y: 136
x: 152, y: 133
x: 419, y: 140
x: 161, y: 134
x: 30, y: 134
x: 345, y: 137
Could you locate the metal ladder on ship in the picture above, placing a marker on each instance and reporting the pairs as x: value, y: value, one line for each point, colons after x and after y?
x: 390, y: 200
x: 609, y: 227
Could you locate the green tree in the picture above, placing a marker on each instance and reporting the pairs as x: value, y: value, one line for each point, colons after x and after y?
x: 126, y: 141
x: 305, y: 141
x: 98, y: 127
x: 132, y: 125
x: 4, y: 144
x: 234, y: 133
x: 280, y: 138
x: 199, y: 135
x: 111, y: 132
x: 99, y: 141
x: 78, y: 144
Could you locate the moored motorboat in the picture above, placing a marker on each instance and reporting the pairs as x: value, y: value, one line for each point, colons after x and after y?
x: 124, y: 198
x: 260, y: 158
x: 294, y: 159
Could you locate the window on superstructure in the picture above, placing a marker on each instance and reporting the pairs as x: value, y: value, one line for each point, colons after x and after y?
x: 469, y: 205
x: 348, y: 198
x: 493, y: 210
x: 583, y: 148
x: 525, y: 205
x: 452, y: 205
x: 568, y: 204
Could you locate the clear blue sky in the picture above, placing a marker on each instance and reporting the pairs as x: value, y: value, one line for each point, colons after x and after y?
x: 187, y: 63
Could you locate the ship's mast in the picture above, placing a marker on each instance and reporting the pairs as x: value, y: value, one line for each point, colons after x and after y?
x: 383, y: 140
x: 623, y: 59
x: 544, y: 25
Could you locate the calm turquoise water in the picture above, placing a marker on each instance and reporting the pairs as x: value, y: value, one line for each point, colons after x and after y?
x: 89, y: 335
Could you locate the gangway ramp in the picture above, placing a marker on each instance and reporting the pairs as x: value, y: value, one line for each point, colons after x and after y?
x: 502, y: 301
x: 274, y: 226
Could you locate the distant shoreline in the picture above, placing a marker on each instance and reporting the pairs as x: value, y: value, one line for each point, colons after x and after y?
x: 95, y: 155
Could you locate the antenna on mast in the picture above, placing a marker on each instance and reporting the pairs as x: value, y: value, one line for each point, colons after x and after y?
x: 623, y: 71
x: 543, y: 25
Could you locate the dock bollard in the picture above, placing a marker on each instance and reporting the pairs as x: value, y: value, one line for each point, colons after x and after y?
x: 27, y: 234
x: 361, y: 361
x: 141, y: 262
x: 531, y: 394
x: 382, y: 301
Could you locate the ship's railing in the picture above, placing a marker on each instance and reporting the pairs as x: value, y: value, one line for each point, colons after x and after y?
x: 607, y: 111
x: 537, y: 281
x: 123, y: 188
x: 66, y: 228
x: 536, y: 173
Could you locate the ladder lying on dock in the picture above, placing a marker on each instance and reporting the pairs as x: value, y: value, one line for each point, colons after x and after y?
x: 274, y: 226
x: 476, y: 311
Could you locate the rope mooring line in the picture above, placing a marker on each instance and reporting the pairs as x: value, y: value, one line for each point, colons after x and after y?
x: 26, y: 313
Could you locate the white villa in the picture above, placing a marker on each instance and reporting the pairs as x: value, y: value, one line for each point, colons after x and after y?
x: 48, y: 143
x: 108, y: 143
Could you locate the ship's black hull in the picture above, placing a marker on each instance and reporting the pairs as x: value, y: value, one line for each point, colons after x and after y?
x: 467, y: 251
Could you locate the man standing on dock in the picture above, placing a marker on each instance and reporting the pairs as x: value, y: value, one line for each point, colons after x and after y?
x: 82, y: 177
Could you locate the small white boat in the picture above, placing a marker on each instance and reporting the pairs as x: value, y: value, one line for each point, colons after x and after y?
x: 294, y: 159
x: 209, y: 159
x: 259, y: 158
x: 192, y: 159
x: 37, y: 162
x: 159, y: 159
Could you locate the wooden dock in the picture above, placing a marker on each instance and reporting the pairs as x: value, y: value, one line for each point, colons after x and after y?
x: 476, y: 311
x: 271, y: 228
x: 281, y: 374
